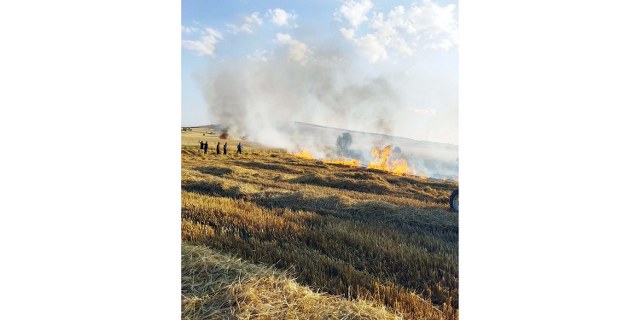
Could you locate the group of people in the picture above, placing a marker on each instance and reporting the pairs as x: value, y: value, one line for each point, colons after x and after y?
x: 204, y: 145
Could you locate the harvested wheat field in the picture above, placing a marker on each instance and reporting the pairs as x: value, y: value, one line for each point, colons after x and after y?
x: 268, y: 235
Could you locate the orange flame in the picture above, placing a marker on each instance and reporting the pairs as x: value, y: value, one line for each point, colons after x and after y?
x: 344, y: 162
x: 304, y: 154
x: 382, y: 162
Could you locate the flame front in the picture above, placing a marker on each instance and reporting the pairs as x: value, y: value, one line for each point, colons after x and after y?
x: 344, y: 162
x: 304, y: 154
x: 381, y: 161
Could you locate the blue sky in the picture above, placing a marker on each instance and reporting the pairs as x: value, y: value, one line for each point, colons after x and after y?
x: 411, y: 46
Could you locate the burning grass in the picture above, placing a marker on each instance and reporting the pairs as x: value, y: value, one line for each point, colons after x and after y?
x: 383, y: 160
x: 369, y: 239
x: 304, y: 154
x: 344, y: 162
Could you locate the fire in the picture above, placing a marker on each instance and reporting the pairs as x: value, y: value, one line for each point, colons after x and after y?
x: 304, y: 154
x: 344, y: 162
x: 381, y: 161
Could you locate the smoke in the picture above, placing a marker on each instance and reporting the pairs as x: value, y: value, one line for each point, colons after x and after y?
x: 251, y: 97
x: 260, y: 99
x: 343, y: 147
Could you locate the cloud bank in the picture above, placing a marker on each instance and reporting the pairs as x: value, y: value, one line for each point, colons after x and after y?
x: 206, y: 44
x: 401, y: 31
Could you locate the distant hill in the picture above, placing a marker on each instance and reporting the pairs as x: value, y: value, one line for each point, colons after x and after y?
x: 428, y: 158
x: 373, y: 134
x: 311, y: 127
x: 207, y: 126
x: 367, y: 139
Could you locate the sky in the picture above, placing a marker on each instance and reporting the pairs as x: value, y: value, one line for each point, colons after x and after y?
x: 379, y: 66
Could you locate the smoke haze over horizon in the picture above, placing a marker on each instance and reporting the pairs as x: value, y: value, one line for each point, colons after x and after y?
x: 359, y: 66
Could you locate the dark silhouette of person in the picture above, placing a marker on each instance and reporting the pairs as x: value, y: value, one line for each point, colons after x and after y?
x: 206, y: 146
x: 239, y: 148
x: 218, y: 148
x: 201, y: 145
x: 224, y: 148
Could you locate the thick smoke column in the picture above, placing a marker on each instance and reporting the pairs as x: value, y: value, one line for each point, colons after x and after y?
x: 261, y: 100
x: 256, y: 98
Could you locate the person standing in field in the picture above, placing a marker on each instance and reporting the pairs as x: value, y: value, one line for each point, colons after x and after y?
x: 239, y: 148
x: 206, y: 146
x: 224, y: 148
x: 218, y: 148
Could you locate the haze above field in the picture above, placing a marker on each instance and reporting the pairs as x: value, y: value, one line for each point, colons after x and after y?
x: 370, y: 66
x: 425, y: 158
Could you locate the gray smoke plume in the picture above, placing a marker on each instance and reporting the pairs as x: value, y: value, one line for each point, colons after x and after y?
x: 261, y: 100
x: 251, y: 97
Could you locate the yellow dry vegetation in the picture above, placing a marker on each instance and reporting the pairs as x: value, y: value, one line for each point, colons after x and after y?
x: 218, y: 286
x: 360, y: 243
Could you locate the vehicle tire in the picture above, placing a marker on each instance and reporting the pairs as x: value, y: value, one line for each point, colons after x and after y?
x: 453, y: 201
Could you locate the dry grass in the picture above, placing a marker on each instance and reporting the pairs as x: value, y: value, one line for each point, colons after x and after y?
x: 364, y: 236
x: 218, y: 286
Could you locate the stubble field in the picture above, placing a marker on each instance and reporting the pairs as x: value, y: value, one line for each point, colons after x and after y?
x: 268, y: 235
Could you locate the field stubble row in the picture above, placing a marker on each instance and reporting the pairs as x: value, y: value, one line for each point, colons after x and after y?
x: 355, y: 233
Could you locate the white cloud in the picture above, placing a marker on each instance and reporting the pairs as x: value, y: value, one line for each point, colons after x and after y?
x: 250, y: 22
x: 355, y: 11
x: 258, y: 55
x: 189, y: 30
x: 283, y: 38
x: 372, y: 48
x: 347, y: 33
x: 206, y: 45
x: 280, y: 17
x: 298, y: 51
x: 403, y: 31
x: 433, y: 20
x: 254, y: 18
x: 402, y: 47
